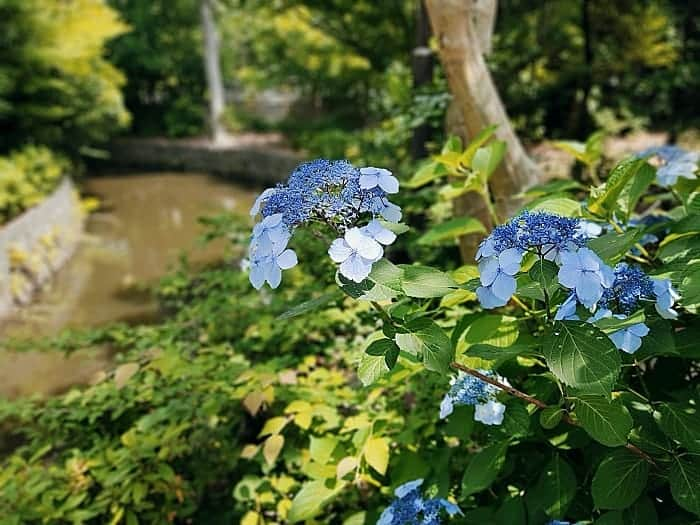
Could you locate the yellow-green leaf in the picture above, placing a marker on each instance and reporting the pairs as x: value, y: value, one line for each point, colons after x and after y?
x: 377, y: 454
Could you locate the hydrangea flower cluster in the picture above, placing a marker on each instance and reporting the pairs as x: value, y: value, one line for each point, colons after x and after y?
x: 675, y: 163
x: 469, y: 390
x: 630, y: 287
x: 411, y: 508
x: 335, y: 194
x: 501, y: 253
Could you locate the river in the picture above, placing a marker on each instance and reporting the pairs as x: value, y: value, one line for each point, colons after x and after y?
x: 144, y: 224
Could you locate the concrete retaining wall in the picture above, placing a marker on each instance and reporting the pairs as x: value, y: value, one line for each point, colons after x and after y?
x: 243, y: 163
x: 36, y: 244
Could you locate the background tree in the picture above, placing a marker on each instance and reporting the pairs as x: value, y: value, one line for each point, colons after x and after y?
x: 463, y: 31
x: 212, y: 68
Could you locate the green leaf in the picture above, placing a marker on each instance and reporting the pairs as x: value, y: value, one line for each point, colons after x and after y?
x: 376, y: 453
x: 424, y: 282
x: 371, y: 368
x: 481, y: 138
x: 582, y: 356
x: 435, y: 347
x: 681, y: 423
x: 544, y: 273
x: 452, y: 229
x: 608, y: 422
x: 633, y: 191
x: 483, y: 468
x: 602, y: 202
x: 311, y: 305
x: 612, y: 246
x: 550, y: 417
x: 641, y: 513
x: 555, y: 489
x: 487, y: 158
x: 613, y: 517
x: 619, y: 480
x: 309, y: 501
x: 380, y: 347
x: 685, y: 482
x: 321, y: 448
x: 496, y: 355
x: 560, y: 205
x: 427, y: 172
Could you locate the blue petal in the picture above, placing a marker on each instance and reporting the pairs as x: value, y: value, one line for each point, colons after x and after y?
x: 568, y: 276
x: 487, y: 299
x: 356, y: 268
x: 446, y: 406
x: 504, y: 287
x: 488, y: 270
x: 450, y: 507
x: 509, y: 260
x: 489, y: 413
x: 407, y: 487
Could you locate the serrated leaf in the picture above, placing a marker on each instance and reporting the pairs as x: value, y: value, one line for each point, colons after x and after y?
x: 555, y: 489
x: 487, y: 158
x: 681, y: 423
x: 483, y: 468
x: 619, y: 480
x: 371, y: 368
x: 424, y: 282
x: 608, y: 422
x: 560, y: 205
x: 612, y: 246
x: 376, y: 454
x: 451, y: 230
x: 481, y: 138
x: 550, y: 417
x: 603, y: 202
x: 582, y: 356
x: 435, y: 347
x: 272, y: 448
x: 380, y: 347
x: 309, y: 501
x: 685, y: 482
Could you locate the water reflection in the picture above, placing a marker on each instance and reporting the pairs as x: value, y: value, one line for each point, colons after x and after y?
x: 145, y: 223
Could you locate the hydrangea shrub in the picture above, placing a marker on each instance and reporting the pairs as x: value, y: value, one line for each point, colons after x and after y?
x: 568, y: 350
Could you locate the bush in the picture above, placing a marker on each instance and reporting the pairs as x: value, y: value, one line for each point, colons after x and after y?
x: 239, y: 408
x: 56, y: 88
x: 27, y: 177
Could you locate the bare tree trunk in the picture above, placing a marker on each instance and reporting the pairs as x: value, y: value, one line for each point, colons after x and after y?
x: 422, y: 67
x: 463, y: 29
x: 212, y: 67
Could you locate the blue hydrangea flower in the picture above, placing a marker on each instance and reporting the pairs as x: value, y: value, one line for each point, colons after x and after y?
x: 666, y: 296
x: 585, y: 273
x: 631, y: 285
x: 466, y: 389
x: 268, y: 267
x: 496, y: 274
x: 371, y: 177
x: 268, y: 235
x: 567, y: 309
x: 676, y: 163
x: 411, y: 508
x: 356, y: 252
x: 589, y: 229
x: 379, y: 233
x: 629, y: 339
x: 332, y: 193
x: 489, y: 413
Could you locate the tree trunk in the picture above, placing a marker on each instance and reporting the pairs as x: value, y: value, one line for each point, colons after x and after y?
x: 212, y: 67
x: 422, y: 68
x: 463, y: 29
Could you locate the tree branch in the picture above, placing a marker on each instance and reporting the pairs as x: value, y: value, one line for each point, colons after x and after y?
x: 539, y: 404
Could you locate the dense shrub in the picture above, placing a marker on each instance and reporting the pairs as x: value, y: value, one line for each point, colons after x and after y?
x: 239, y: 408
x: 56, y: 88
x: 27, y: 176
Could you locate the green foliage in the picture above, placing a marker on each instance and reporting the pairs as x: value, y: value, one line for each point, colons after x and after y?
x: 56, y: 88
x: 27, y: 176
x: 162, y: 58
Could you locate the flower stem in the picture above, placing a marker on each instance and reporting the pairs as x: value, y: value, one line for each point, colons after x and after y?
x: 539, y: 404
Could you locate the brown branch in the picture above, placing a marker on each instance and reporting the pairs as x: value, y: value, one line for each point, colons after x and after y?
x: 539, y: 404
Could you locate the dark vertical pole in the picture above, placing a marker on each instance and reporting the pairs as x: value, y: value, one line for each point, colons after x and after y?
x: 422, y: 67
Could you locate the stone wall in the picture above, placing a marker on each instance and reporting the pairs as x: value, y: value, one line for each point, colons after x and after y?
x: 255, y: 164
x: 36, y: 244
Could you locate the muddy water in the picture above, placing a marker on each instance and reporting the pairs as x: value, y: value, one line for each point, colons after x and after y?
x: 145, y: 223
